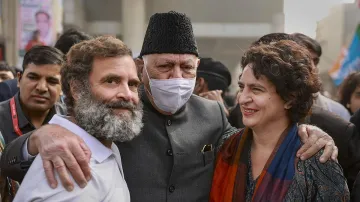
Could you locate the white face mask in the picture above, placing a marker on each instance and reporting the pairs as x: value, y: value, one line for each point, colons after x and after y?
x: 170, y: 95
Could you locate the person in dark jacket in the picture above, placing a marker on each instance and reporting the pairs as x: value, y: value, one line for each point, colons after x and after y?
x: 212, y: 80
x: 8, y: 89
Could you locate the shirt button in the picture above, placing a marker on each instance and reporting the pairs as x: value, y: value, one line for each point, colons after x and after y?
x: 171, y: 188
x: 169, y: 122
x: 169, y: 152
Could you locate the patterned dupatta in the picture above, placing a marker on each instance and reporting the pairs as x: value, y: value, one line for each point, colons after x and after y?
x: 229, y: 181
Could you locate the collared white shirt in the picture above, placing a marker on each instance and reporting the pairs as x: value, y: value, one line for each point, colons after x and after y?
x: 107, y: 182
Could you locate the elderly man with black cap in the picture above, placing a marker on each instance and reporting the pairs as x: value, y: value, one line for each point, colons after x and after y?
x: 173, y: 158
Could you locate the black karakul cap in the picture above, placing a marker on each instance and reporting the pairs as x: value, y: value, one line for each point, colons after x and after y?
x: 170, y: 32
x: 215, y: 73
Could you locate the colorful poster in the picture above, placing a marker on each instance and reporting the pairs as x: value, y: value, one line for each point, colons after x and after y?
x: 351, y: 61
x: 36, y: 24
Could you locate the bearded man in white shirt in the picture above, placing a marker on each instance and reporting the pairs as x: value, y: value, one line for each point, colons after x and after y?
x: 100, y: 83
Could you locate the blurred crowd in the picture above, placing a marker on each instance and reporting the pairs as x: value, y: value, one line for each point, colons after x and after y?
x: 86, y: 120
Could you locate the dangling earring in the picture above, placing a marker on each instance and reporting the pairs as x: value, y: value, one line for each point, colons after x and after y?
x: 348, y: 105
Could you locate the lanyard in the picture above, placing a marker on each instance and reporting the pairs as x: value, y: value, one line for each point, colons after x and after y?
x: 14, y: 117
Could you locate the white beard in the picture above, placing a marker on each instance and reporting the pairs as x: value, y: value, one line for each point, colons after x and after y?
x: 99, y: 120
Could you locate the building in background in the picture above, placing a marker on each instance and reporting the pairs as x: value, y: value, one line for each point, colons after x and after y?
x: 223, y: 29
x: 334, y: 33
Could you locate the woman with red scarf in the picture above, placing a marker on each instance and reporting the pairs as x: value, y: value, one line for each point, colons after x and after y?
x: 260, y: 163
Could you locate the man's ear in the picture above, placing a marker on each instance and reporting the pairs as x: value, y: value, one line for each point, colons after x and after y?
x: 139, y: 66
x: 18, y: 75
x: 74, y: 89
x: 198, y: 62
x: 199, y: 85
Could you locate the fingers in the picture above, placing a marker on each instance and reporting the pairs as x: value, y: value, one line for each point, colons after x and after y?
x: 335, y: 154
x: 72, y: 159
x: 315, y: 148
x: 330, y: 151
x: 82, y: 156
x: 311, y: 140
x: 60, y: 168
x: 49, y: 172
x: 303, y: 134
x: 212, y: 95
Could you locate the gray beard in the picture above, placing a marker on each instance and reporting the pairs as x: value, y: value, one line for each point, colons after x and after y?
x: 99, y: 120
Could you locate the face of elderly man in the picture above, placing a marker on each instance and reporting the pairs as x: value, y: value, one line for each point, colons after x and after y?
x: 172, y: 67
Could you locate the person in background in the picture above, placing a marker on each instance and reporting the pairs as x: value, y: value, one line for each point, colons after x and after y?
x: 315, y: 50
x: 350, y: 92
x: 35, y: 41
x: 173, y: 158
x: 115, y: 106
x: 34, y: 104
x: 69, y: 38
x: 6, y: 72
x: 212, y: 80
x: 260, y: 163
x: 72, y: 36
x: 43, y: 24
x: 40, y: 88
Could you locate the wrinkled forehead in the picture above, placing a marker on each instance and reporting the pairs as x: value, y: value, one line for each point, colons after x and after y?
x: 173, y: 58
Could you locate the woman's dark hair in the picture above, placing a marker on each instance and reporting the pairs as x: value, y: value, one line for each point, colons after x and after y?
x: 288, y: 66
x: 348, y: 87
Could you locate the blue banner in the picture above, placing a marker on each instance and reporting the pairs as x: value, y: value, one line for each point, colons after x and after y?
x: 351, y: 60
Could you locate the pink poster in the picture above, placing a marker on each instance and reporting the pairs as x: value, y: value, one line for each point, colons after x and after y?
x: 35, y: 24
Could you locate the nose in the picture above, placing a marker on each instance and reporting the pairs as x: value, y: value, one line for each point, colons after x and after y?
x: 41, y: 86
x: 177, y: 73
x: 126, y: 94
x: 244, y: 97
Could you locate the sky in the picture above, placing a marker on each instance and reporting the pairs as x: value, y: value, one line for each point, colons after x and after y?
x: 302, y: 15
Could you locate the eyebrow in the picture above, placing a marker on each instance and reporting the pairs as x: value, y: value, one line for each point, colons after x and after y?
x: 187, y: 61
x: 48, y: 77
x: 252, y: 85
x: 110, y: 76
x: 115, y: 76
x: 164, y: 60
x: 135, y: 81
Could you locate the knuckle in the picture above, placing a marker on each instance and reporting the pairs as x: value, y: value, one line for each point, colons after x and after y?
x: 318, y: 144
x: 59, y: 166
x: 81, y: 159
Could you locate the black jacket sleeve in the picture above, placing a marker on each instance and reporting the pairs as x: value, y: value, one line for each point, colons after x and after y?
x: 346, y: 138
x: 12, y: 161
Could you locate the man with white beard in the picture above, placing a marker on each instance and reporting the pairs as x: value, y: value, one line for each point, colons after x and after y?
x: 101, y: 86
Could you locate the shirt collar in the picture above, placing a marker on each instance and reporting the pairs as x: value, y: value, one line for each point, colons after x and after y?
x: 98, y: 151
x: 23, y: 120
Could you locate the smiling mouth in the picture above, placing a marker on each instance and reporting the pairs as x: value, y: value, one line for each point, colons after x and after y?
x: 248, y: 112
